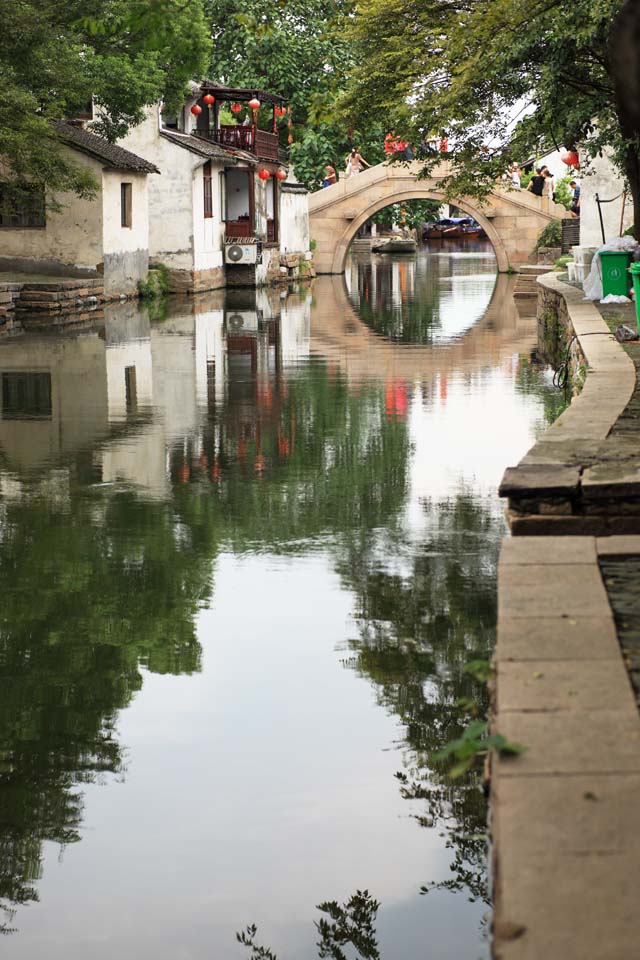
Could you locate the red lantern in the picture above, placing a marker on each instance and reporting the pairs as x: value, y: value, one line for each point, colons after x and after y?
x: 570, y: 158
x: 196, y: 110
x: 236, y: 108
x: 264, y: 174
x: 209, y: 99
x: 281, y: 175
x: 254, y: 103
x: 281, y: 111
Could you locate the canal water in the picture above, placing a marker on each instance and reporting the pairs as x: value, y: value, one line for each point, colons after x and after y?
x: 248, y: 544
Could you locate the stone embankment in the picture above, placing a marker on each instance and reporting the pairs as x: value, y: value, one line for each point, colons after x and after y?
x: 583, y: 475
x: 566, y: 845
x: 33, y: 302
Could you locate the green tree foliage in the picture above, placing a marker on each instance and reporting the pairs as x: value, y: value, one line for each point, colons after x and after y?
x: 506, y: 74
x: 295, y: 48
x: 411, y: 213
x: 54, y: 57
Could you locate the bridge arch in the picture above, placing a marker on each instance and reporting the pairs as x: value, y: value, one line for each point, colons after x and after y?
x: 511, y: 218
x: 417, y: 193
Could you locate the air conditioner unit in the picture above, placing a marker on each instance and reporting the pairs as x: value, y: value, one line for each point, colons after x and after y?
x: 241, y: 321
x: 239, y: 254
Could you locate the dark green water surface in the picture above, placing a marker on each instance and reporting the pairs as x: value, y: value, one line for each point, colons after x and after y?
x: 246, y: 549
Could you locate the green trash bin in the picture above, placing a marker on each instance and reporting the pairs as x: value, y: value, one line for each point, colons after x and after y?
x: 615, y: 276
x: 634, y: 270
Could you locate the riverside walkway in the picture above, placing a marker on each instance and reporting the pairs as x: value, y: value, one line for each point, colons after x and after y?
x: 566, y: 844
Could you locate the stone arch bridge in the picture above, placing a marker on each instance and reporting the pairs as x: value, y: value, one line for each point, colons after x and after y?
x: 512, y: 219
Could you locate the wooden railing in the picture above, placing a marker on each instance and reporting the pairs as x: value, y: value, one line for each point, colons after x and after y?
x: 238, y: 229
x: 240, y: 138
x: 266, y: 145
x: 258, y: 142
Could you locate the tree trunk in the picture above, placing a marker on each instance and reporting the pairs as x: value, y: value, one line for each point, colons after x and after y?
x: 624, y: 54
x: 632, y: 170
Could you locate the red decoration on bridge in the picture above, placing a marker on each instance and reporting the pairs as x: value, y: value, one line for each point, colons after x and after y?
x: 196, y: 110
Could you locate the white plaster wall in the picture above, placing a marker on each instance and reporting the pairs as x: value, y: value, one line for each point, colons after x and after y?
x: 601, y: 177
x: 294, y: 222
x: 72, y: 236
x: 116, y: 238
x: 207, y: 232
x: 171, y: 239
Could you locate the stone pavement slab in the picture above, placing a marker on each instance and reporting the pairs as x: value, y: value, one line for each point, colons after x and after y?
x: 553, y: 589
x: 552, y: 685
x: 571, y: 743
x: 558, y: 550
x: 569, y: 907
x: 618, y: 546
x: 557, y: 638
x: 578, y: 814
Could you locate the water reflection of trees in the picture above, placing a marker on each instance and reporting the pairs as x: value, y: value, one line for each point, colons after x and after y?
x: 102, y: 584
x: 418, y: 627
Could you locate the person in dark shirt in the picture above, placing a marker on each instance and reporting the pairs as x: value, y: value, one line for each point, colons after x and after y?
x: 536, y: 184
x: 575, y: 199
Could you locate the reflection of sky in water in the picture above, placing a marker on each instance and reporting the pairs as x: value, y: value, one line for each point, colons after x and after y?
x: 433, y: 296
x: 262, y: 783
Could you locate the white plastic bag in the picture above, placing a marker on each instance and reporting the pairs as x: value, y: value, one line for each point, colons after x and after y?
x: 614, y: 298
x: 592, y: 286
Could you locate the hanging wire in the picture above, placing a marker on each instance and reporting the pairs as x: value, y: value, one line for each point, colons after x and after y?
x: 562, y: 372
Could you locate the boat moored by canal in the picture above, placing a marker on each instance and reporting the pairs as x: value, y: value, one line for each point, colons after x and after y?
x: 394, y: 245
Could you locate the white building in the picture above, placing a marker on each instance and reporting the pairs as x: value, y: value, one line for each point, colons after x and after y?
x: 105, y: 236
x: 222, y: 212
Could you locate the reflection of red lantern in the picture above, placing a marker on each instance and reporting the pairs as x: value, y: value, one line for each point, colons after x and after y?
x: 184, y: 473
x: 254, y: 103
x: 264, y: 174
x: 209, y: 99
x: 236, y: 107
x: 281, y: 175
x: 196, y: 110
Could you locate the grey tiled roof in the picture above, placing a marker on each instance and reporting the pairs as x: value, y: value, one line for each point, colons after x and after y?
x: 206, y: 148
x: 108, y: 153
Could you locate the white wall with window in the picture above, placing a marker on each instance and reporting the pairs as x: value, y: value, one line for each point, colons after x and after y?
x: 68, y: 236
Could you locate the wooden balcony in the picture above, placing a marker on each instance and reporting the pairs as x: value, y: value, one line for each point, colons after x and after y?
x: 260, y: 143
x: 238, y: 229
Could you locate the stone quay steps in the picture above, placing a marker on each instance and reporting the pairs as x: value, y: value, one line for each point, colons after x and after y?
x: 525, y: 288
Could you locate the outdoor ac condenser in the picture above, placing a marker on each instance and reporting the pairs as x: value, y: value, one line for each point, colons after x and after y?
x: 240, y: 254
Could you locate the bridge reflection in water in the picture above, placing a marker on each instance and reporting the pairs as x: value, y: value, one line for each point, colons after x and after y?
x: 247, y: 548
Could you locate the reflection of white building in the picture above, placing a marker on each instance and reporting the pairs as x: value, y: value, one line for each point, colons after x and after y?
x: 115, y: 401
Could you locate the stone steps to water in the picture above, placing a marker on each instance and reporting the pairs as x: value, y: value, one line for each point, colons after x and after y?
x: 526, y: 287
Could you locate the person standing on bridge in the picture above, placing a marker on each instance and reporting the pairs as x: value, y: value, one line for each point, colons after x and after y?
x: 536, y: 184
x: 330, y: 176
x: 355, y: 162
